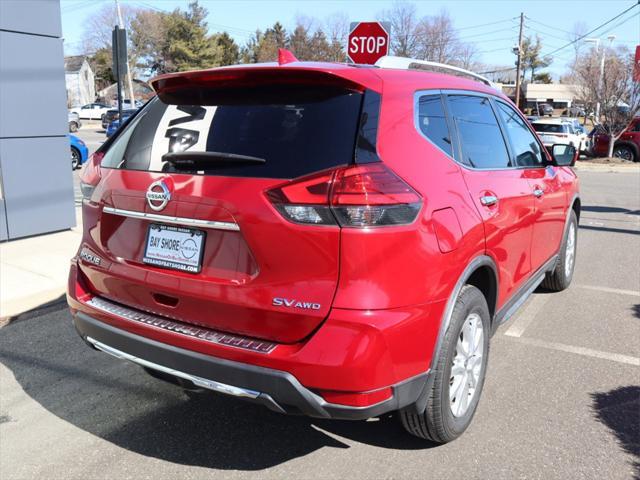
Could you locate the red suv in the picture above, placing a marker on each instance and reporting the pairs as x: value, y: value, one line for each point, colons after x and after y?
x: 334, y: 240
x: 626, y: 147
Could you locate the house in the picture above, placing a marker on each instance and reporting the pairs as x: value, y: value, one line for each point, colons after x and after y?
x: 559, y: 95
x: 142, y: 91
x: 81, y: 88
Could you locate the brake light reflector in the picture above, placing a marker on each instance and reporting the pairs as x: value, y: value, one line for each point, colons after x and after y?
x: 357, y: 196
x: 90, y: 175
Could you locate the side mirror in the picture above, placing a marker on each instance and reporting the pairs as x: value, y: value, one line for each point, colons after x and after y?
x: 564, y: 155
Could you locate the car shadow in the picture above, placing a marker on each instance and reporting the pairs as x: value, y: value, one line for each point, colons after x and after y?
x: 603, y: 209
x: 119, y: 403
x: 618, y: 410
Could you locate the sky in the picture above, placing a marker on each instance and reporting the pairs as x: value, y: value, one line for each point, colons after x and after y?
x: 552, y: 20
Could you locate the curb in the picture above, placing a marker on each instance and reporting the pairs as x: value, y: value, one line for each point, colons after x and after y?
x: 605, y: 168
x: 22, y: 305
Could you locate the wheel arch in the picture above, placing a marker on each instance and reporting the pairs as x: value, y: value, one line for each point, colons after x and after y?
x: 482, y: 273
x: 576, y: 205
x: 631, y: 145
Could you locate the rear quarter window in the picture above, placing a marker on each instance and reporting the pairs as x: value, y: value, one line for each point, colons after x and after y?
x: 433, y: 123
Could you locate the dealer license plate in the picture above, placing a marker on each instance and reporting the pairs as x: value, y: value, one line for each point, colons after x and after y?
x: 174, y: 247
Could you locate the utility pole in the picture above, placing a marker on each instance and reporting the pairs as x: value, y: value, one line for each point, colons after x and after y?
x: 519, y: 64
x: 129, y: 81
x: 611, y: 38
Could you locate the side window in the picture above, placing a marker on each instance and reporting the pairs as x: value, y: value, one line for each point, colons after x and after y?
x: 481, y: 140
x: 432, y: 122
x: 524, y: 145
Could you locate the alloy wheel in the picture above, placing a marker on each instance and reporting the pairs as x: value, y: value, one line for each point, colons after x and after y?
x: 624, y: 153
x: 467, y: 364
x: 75, y: 159
x: 570, y: 250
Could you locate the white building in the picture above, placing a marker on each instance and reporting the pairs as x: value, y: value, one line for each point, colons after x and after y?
x: 81, y: 87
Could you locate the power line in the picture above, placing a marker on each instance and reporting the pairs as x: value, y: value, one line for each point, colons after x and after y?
x: 594, y: 30
x: 548, y: 26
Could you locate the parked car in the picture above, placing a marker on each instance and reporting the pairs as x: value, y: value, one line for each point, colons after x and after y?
x: 115, y: 124
x: 112, y: 114
x: 626, y: 147
x: 575, y: 111
x: 557, y: 131
x: 74, y: 122
x: 92, y: 111
x: 79, y: 152
x: 543, y: 109
x: 315, y: 238
x: 578, y: 129
x: 126, y: 103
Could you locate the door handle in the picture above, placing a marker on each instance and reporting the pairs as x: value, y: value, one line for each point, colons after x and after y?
x: 488, y: 200
x: 538, y: 192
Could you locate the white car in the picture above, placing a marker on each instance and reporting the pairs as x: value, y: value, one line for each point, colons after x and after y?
x: 558, y: 131
x: 579, y: 130
x: 92, y: 111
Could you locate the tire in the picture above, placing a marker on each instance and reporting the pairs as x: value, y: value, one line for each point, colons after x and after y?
x: 75, y: 158
x: 561, y: 276
x: 625, y: 152
x: 73, y: 127
x: 438, y: 423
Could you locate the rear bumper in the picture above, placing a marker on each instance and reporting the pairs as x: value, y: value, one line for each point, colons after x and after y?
x: 276, y: 389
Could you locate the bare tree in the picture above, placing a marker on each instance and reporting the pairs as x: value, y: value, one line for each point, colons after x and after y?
x: 98, y: 27
x: 618, y: 94
x: 578, y: 31
x: 404, y: 24
x: 336, y: 27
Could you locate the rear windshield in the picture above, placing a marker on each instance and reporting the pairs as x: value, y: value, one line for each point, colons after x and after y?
x: 550, y: 128
x: 292, y: 132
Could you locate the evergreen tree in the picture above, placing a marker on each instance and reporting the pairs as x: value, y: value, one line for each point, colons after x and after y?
x: 531, y: 58
x: 230, y: 53
x: 273, y: 39
x: 187, y: 44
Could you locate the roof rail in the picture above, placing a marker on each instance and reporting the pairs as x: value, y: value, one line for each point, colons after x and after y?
x: 390, y: 61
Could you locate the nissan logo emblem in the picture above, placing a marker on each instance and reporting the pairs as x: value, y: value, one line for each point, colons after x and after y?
x: 158, y: 195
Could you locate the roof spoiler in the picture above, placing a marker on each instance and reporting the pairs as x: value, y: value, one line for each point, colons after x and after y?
x: 289, y: 73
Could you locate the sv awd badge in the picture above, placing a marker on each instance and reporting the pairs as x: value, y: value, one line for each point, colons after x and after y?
x: 293, y: 303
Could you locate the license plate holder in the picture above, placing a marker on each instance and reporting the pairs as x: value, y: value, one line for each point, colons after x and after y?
x: 174, y: 247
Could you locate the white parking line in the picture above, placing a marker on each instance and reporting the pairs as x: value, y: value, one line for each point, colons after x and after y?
x: 527, y: 314
x: 586, y: 352
x: 610, y: 290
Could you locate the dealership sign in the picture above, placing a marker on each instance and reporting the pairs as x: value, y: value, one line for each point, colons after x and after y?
x: 368, y: 42
x: 636, y: 67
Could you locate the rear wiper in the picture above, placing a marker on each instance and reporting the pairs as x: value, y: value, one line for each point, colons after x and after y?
x: 199, y: 160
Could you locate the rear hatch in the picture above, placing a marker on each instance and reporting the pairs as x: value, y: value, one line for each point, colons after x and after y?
x: 186, y: 226
x: 551, y: 133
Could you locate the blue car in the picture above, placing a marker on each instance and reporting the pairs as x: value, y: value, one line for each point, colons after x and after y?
x: 115, y: 124
x: 79, y: 152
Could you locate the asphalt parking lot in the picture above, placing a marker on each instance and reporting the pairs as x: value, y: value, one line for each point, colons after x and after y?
x: 562, y: 397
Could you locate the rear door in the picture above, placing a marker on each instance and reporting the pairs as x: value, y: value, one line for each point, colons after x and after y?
x: 500, y: 191
x: 201, y: 242
x: 550, y: 201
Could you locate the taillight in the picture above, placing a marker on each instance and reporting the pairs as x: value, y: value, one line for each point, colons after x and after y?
x: 357, y: 196
x: 305, y: 200
x: 90, y: 175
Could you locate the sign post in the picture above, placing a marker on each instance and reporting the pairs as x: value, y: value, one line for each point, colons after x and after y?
x: 368, y: 42
x: 119, y: 54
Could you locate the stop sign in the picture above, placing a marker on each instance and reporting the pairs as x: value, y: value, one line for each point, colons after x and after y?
x: 368, y: 41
